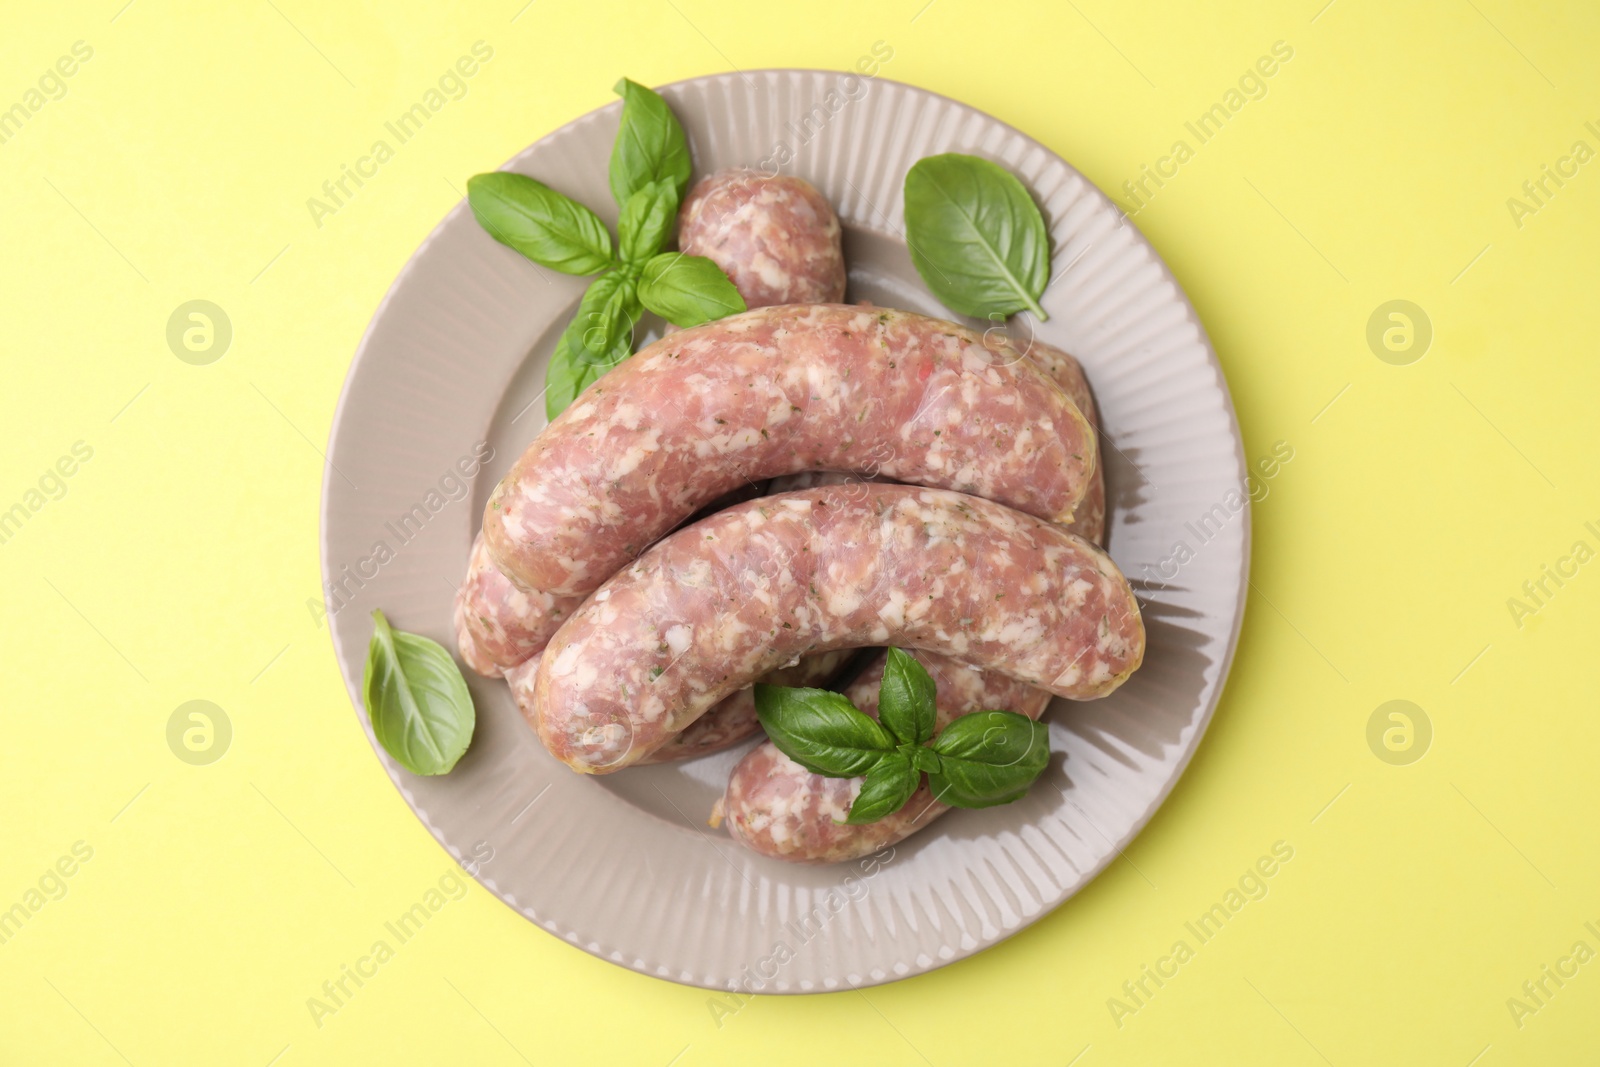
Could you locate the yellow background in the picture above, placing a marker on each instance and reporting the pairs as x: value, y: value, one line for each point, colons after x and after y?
x: 178, y: 563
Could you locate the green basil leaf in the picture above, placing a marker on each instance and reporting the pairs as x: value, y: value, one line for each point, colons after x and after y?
x: 821, y: 731
x: 646, y: 220
x: 650, y: 144
x: 602, y: 330
x: 566, y: 378
x: 906, y: 699
x: 688, y: 290
x: 976, y: 236
x: 417, y: 700
x: 888, y: 786
x: 550, y: 229
x: 988, y: 758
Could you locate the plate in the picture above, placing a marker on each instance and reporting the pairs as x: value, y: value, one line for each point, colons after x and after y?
x: 444, y: 393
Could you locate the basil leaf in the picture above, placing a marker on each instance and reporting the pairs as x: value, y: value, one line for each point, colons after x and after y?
x: 602, y: 330
x: 650, y: 144
x: 688, y: 290
x: 417, y: 700
x: 646, y: 220
x: 988, y: 758
x: 889, y: 785
x: 976, y: 236
x: 821, y: 731
x: 906, y: 699
x: 550, y: 229
x: 566, y: 378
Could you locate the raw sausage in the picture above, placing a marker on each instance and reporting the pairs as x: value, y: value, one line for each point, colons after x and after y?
x: 498, y: 625
x: 722, y: 602
x: 724, y: 726
x: 1089, y: 520
x: 776, y: 237
x: 778, y: 808
x: 718, y: 604
x: 770, y: 392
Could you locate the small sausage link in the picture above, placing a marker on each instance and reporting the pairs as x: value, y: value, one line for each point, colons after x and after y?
x: 775, y: 236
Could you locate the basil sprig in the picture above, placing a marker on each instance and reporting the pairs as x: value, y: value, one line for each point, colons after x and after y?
x: 649, y: 174
x: 978, y: 761
x: 976, y: 236
x: 417, y: 700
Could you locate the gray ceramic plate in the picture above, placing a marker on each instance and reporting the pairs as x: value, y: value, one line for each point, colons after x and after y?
x: 624, y: 866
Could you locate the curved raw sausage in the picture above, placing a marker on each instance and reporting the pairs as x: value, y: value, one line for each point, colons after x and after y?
x: 720, y: 603
x: 770, y: 392
x: 776, y: 807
